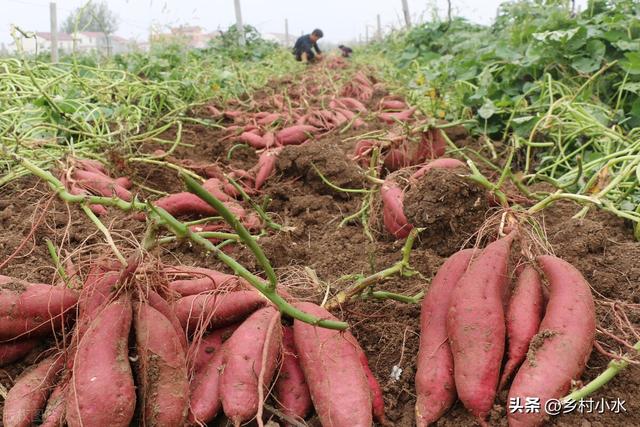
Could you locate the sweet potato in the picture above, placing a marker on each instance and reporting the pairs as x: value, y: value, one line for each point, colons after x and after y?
x: 202, y: 350
x: 333, y: 370
x: 205, y: 280
x: 435, y: 384
x: 53, y: 415
x: 294, y: 135
x: 377, y: 399
x: 291, y: 389
x: 254, y: 140
x: 432, y: 144
x: 205, y: 400
x: 101, y: 184
x: 353, y: 104
x: 164, y: 384
x: 32, y: 309
x: 559, y: 352
x: 394, y: 218
x: 29, y: 394
x: 398, y: 158
x: 213, y: 310
x: 266, y: 166
x: 444, y: 163
x: 476, y: 327
x: 102, y: 390
x: 250, y: 359
x: 161, y: 305
x: 269, y: 118
x: 523, y: 319
x: 11, y: 351
x: 393, y: 105
x: 401, y: 116
x: 216, y: 187
x: 362, y: 152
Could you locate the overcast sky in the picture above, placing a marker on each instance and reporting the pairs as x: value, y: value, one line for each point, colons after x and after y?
x: 341, y: 20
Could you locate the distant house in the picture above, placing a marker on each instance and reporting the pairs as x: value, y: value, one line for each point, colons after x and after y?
x: 85, y: 41
x: 193, y: 36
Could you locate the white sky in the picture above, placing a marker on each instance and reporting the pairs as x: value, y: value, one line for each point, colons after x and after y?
x: 341, y: 20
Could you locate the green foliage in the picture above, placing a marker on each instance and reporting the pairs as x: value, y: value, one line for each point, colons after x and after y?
x: 91, y: 17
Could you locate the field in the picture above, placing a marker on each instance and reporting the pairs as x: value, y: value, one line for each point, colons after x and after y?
x: 539, y: 160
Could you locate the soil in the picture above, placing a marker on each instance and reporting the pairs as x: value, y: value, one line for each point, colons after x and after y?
x: 317, y: 253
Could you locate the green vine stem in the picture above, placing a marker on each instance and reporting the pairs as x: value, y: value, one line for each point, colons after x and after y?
x: 614, y: 368
x: 382, y: 295
x: 178, y: 228
x: 477, y: 177
x: 107, y: 235
x: 231, y: 219
x: 401, y: 267
x: 56, y: 261
x: 256, y: 207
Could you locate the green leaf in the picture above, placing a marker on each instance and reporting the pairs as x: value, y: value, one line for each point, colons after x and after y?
x: 631, y: 63
x: 585, y: 64
x: 632, y: 87
x: 487, y: 110
x: 628, y: 45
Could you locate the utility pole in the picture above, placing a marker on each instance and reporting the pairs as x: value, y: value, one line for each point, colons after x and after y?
x: 366, y: 34
x: 286, y: 31
x: 379, y: 29
x: 239, y: 24
x: 53, y: 17
x: 405, y: 11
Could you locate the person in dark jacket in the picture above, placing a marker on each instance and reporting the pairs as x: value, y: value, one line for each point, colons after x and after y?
x: 305, y: 45
x: 346, y: 51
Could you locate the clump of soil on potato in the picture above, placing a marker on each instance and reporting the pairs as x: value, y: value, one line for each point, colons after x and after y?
x: 449, y: 207
x: 328, y: 157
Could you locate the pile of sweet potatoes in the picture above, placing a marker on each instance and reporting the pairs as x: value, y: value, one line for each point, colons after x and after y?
x: 471, y: 314
x: 176, y: 347
x: 86, y: 177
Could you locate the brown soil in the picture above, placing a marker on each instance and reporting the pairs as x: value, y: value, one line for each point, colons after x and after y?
x: 451, y: 209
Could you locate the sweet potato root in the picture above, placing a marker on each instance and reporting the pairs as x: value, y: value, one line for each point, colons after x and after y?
x: 205, y: 280
x: 435, y: 384
x: 443, y: 163
x: 294, y: 135
x: 523, y: 319
x: 29, y: 394
x: 333, y: 370
x: 291, y: 389
x: 202, y: 350
x: 161, y: 305
x: 476, y: 327
x: 559, y: 352
x: 401, y: 116
x: 205, y: 390
x: 11, y: 351
x: 102, y: 390
x: 164, y: 385
x: 265, y: 167
x: 53, y: 415
x: 32, y: 309
x: 394, y: 218
x: 213, y: 310
x: 250, y: 359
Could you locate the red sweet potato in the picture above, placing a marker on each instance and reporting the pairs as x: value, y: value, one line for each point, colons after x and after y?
x: 294, y: 135
x: 401, y: 116
x: 32, y: 309
x: 333, y: 370
x: 29, y: 394
x: 101, y: 184
x: 204, y: 280
x: 102, y: 390
x: 443, y: 163
x: 394, y: 218
x: 205, y: 390
x: 523, y: 319
x: 432, y: 144
x: 11, y: 351
x: 269, y: 139
x: 213, y: 310
x: 435, y: 384
x: 377, y: 399
x: 53, y: 415
x: 266, y: 166
x: 353, y: 104
x: 393, y: 105
x: 202, y: 350
x: 164, y: 384
x: 254, y: 140
x: 250, y: 360
x: 559, y: 352
x: 216, y: 187
x: 476, y: 327
x: 92, y: 166
x: 291, y: 389
x: 398, y: 158
x: 161, y: 305
x: 362, y: 152
x: 185, y: 203
x: 124, y: 182
x: 269, y: 118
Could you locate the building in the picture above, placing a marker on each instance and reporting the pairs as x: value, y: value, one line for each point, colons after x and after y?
x: 85, y: 42
x: 193, y: 36
x: 280, y: 38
